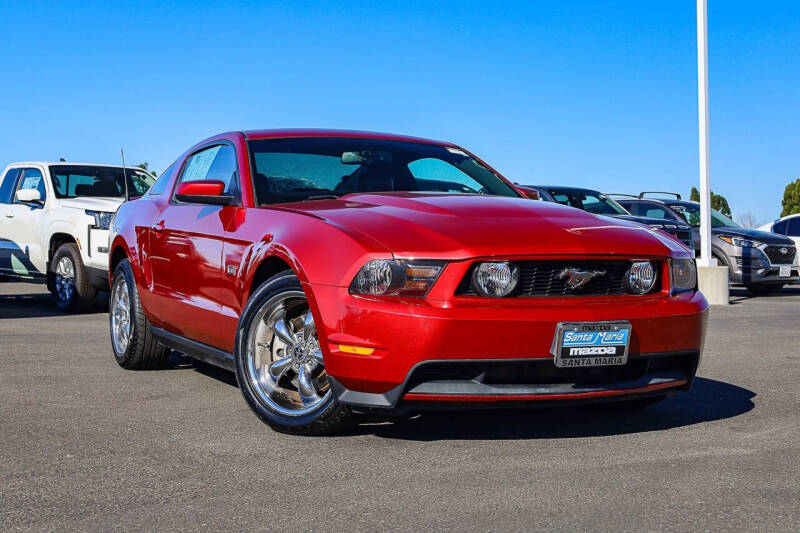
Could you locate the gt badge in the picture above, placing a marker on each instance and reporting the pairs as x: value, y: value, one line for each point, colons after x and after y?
x: 231, y: 269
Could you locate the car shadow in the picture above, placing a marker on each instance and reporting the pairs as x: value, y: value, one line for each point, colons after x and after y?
x: 708, y: 400
x: 39, y: 305
x: 741, y: 294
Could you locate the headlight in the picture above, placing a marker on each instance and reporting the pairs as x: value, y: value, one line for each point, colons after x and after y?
x: 390, y: 277
x: 640, y: 277
x: 684, y: 275
x: 741, y: 243
x: 102, y: 219
x: 495, y: 279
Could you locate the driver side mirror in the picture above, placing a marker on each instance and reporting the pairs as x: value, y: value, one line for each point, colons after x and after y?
x: 28, y: 196
x: 209, y: 192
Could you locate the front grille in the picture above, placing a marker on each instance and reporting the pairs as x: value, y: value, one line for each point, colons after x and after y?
x: 685, y: 236
x: 777, y: 256
x: 541, y: 278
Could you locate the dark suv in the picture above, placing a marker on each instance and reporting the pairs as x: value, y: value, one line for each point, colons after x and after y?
x: 763, y: 262
x: 599, y: 204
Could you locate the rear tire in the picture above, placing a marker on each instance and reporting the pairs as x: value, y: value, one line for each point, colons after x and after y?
x: 279, y: 363
x: 132, y: 341
x: 763, y: 290
x: 68, y: 280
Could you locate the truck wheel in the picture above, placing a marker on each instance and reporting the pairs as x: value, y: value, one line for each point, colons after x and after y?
x: 763, y: 290
x: 279, y: 363
x: 69, y: 281
x: 134, y: 345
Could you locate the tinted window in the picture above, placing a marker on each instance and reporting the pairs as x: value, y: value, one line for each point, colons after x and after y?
x: 8, y: 186
x: 161, y: 183
x: 294, y: 170
x: 71, y: 181
x: 215, y: 163
x: 32, y: 179
x: 593, y: 202
x: 653, y: 210
x: 780, y: 227
x: 794, y: 227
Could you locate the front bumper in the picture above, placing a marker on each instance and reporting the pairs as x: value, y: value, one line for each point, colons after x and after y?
x: 504, y: 344
x: 751, y: 269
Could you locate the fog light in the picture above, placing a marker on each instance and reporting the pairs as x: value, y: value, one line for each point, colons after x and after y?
x: 640, y: 277
x: 495, y: 279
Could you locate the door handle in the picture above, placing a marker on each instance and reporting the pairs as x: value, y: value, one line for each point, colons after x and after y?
x: 9, y: 215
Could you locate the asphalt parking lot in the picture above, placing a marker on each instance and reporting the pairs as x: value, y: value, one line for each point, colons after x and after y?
x: 87, y: 445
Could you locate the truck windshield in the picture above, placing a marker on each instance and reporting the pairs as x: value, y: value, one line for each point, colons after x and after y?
x: 72, y: 181
x: 294, y: 170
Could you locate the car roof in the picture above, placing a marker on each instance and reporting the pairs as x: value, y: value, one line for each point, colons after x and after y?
x: 352, y: 134
x: 67, y: 163
x: 562, y: 188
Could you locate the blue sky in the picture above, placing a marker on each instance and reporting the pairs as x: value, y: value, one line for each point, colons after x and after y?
x: 597, y: 94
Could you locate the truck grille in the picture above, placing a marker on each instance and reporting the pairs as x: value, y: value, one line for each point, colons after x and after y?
x: 780, y: 255
x: 685, y: 236
x: 541, y: 278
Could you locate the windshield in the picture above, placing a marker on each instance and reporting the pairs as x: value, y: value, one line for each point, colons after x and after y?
x: 292, y: 170
x: 72, y: 181
x: 593, y: 202
x: 691, y: 212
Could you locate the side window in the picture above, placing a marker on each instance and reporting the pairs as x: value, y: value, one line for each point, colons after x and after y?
x: 215, y: 163
x: 794, y: 227
x: 780, y: 227
x: 8, y: 186
x: 650, y: 210
x: 161, y: 183
x: 32, y: 179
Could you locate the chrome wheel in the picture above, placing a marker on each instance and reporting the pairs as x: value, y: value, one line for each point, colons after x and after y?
x: 120, y: 316
x: 284, y: 361
x: 65, y: 279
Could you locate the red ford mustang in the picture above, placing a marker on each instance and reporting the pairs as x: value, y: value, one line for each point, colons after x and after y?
x: 340, y: 273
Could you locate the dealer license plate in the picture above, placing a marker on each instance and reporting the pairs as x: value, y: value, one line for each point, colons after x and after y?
x: 785, y: 271
x: 581, y: 344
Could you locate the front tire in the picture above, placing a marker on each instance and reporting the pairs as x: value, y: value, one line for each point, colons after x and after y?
x: 134, y: 345
x: 69, y: 281
x: 279, y: 364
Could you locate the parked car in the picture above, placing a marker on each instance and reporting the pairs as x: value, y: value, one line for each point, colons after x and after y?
x: 599, y: 204
x: 763, y: 262
x: 54, y: 227
x: 339, y: 273
x: 788, y: 225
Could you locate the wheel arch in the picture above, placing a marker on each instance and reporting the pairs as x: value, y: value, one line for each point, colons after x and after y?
x: 57, y: 239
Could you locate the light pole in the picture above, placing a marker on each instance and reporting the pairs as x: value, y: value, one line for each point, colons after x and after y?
x: 712, y: 279
x: 702, y: 112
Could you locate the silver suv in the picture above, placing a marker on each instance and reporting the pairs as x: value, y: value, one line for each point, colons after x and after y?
x: 761, y: 261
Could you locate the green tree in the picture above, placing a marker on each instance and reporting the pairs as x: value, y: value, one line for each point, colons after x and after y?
x: 791, y: 198
x: 718, y: 201
x: 145, y: 166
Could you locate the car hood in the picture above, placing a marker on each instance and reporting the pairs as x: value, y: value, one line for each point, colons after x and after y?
x: 653, y: 221
x: 754, y: 234
x: 109, y: 205
x: 462, y: 226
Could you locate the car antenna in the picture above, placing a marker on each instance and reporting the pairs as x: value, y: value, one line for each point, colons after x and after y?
x: 124, y: 174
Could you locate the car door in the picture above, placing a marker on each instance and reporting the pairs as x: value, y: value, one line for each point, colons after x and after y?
x: 186, y: 250
x: 8, y: 186
x: 24, y: 254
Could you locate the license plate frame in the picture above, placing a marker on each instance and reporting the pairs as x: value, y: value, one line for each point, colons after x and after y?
x: 591, y: 343
x: 785, y: 271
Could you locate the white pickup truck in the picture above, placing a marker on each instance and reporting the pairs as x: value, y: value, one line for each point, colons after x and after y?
x: 54, y: 220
